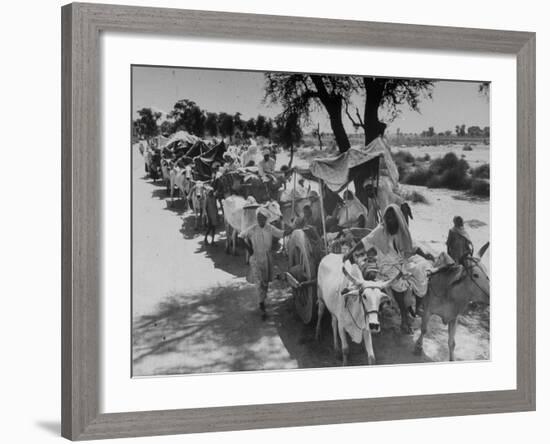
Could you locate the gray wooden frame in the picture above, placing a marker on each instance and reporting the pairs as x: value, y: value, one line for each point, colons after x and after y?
x: 81, y: 26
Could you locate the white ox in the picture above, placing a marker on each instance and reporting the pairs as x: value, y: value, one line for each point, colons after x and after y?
x: 355, y: 312
x: 166, y: 166
x: 197, y: 197
x: 182, y: 179
x: 237, y: 218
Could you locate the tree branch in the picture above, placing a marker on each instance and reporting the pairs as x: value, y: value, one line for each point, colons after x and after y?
x: 353, y: 122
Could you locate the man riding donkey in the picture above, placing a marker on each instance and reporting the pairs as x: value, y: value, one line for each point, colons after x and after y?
x: 459, y: 244
x: 397, y: 254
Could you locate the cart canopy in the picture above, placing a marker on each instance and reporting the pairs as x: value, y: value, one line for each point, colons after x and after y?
x: 337, y: 172
x: 179, y: 136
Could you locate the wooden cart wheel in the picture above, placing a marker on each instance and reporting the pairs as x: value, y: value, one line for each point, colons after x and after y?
x: 301, y: 260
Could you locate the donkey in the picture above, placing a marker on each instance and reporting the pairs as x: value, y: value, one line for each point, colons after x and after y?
x: 450, y: 291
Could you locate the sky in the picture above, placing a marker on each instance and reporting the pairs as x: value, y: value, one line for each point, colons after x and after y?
x: 453, y: 102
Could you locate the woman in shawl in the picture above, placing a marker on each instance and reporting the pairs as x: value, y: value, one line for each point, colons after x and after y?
x: 396, y: 254
x: 459, y: 244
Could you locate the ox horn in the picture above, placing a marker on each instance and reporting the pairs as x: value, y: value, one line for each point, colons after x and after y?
x: 359, y: 283
x: 482, y: 250
x: 381, y: 285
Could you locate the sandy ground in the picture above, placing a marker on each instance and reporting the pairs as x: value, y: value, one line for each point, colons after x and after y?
x: 193, y: 310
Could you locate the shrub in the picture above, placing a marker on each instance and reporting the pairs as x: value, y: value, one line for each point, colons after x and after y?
x: 449, y: 172
x: 434, y: 182
x: 425, y: 158
x: 447, y: 162
x: 455, y: 179
x: 419, y: 176
x: 414, y: 196
x: 480, y: 188
x: 481, y: 172
x: 403, y: 156
x: 445, y: 172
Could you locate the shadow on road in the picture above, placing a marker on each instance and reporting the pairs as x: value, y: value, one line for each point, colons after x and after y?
x: 390, y: 346
x: 221, y: 330
x: 215, y: 330
x: 234, y: 265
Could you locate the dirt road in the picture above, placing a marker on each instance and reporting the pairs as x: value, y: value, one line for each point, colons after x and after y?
x: 194, y: 312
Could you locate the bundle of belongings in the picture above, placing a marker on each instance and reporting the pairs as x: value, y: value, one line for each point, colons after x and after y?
x: 246, y: 181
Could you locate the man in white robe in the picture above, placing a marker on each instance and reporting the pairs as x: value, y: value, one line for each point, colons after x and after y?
x: 259, y: 239
x: 266, y: 166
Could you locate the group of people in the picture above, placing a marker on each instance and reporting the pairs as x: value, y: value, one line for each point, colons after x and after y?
x: 388, y: 249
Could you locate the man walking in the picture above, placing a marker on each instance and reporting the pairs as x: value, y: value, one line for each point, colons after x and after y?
x: 258, y: 240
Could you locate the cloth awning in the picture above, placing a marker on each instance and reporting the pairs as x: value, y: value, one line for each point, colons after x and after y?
x: 335, y: 171
x: 178, y: 136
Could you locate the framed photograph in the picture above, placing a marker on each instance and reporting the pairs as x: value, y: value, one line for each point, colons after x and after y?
x: 279, y: 221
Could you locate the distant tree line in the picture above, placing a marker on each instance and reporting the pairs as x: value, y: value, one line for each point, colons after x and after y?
x: 188, y: 116
x: 460, y: 131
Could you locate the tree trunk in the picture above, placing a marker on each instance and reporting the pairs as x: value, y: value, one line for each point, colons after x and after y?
x: 338, y: 128
x: 333, y: 105
x: 374, y: 89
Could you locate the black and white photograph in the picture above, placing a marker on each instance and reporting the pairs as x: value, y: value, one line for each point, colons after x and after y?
x: 286, y: 220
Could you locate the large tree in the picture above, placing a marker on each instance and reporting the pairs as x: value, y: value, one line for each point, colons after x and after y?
x: 287, y: 131
x: 300, y: 93
x: 249, y: 128
x: 390, y: 95
x: 166, y: 128
x: 211, y: 124
x: 146, y: 125
x: 225, y: 125
x: 188, y: 116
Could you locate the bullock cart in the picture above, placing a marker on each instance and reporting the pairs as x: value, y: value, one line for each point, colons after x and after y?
x: 304, y: 249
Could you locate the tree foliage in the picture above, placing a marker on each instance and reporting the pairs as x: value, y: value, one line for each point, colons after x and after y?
x: 484, y: 89
x: 287, y: 131
x: 188, y: 116
x: 146, y: 125
x: 301, y: 93
x: 211, y: 124
x: 225, y: 124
